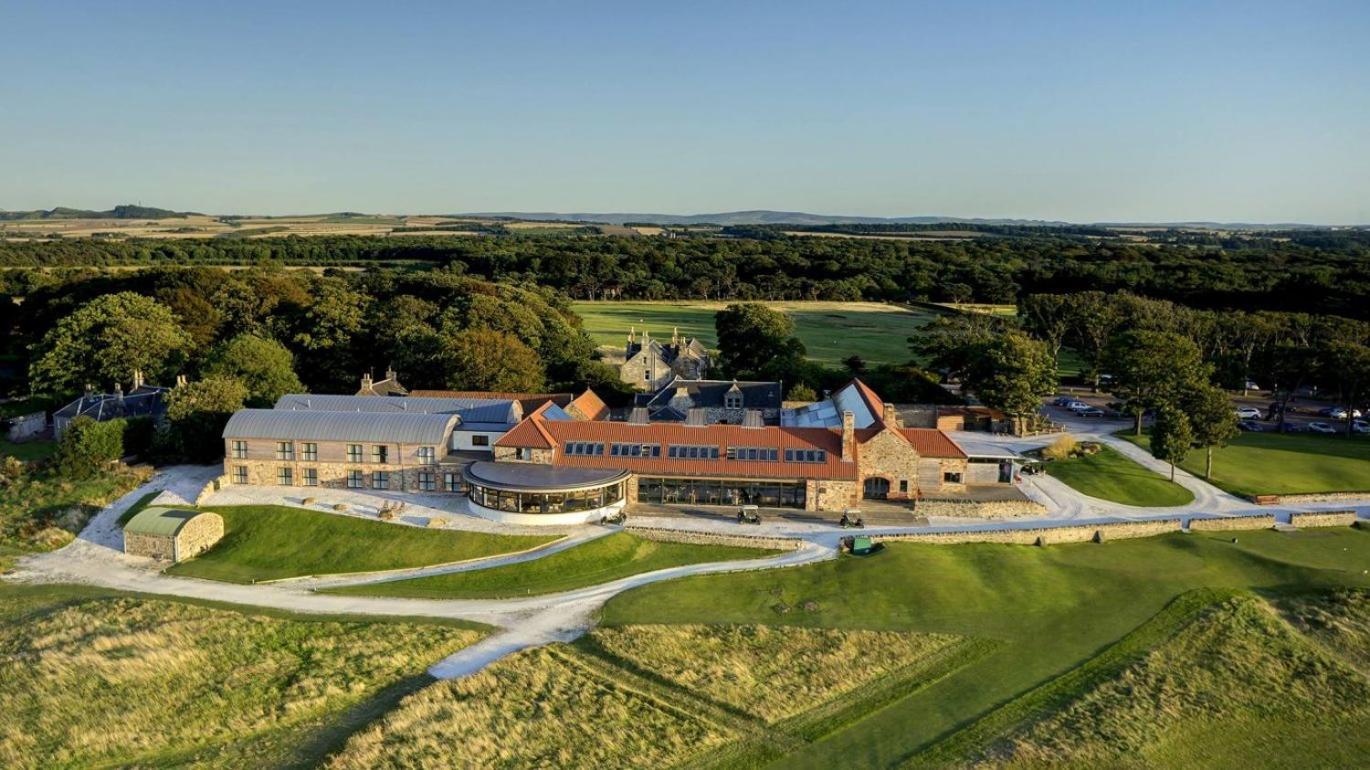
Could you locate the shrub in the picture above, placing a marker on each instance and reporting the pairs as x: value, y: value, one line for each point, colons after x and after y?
x: 88, y: 447
x: 139, y: 433
x: 309, y: 501
x: 340, y: 506
x: 1061, y: 449
x: 385, y: 514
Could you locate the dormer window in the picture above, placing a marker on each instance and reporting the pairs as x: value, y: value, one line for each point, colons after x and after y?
x: 732, y: 400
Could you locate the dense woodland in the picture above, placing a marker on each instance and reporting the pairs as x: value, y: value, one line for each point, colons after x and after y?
x: 1308, y: 271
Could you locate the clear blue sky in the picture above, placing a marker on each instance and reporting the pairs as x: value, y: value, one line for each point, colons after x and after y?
x: 1085, y: 111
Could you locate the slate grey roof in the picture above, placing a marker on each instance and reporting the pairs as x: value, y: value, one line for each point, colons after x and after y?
x: 489, y: 412
x: 392, y: 428
x: 143, y: 401
x: 709, y: 393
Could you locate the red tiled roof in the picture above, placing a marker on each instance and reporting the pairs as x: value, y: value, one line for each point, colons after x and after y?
x: 930, y: 442
x: 528, y: 433
x: 590, y: 405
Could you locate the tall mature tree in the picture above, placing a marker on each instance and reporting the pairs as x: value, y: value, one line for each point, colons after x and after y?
x: 1213, y: 420
x: 480, y: 359
x: 952, y: 343
x: 105, y: 341
x: 1171, y: 437
x: 265, y: 366
x: 1013, y: 373
x: 327, y: 332
x: 196, y: 415
x: 1152, y: 370
x: 750, y: 335
x: 1287, y: 366
x: 1346, y: 370
x: 1095, y: 319
x: 1048, y: 317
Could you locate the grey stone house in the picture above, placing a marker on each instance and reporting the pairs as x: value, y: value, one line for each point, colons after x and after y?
x: 728, y: 402
x: 141, y: 400
x: 649, y: 364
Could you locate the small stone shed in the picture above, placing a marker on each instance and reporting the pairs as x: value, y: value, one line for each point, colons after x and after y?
x: 172, y: 534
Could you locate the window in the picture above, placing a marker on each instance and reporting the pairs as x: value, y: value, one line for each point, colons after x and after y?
x: 479, y: 440
x: 732, y: 400
x: 692, y: 452
x: 285, y: 450
x: 806, y: 456
x: 239, y: 450
x: 903, y: 485
x: 354, y: 453
x: 285, y: 477
x: 428, y: 455
x: 311, y: 477
x: 583, y: 448
x: 380, y: 453
x: 524, y: 453
x: 635, y: 450
x: 753, y: 453
x: 380, y: 480
x: 451, y: 482
x: 309, y: 452
x: 951, y: 478
x: 240, y: 474
x: 427, y: 481
x: 647, y: 373
x: 354, y: 479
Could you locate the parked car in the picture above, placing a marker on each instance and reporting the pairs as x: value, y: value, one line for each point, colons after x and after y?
x: 1063, y: 401
x: 1076, y: 406
x: 1249, y: 425
x: 1360, y: 426
x: 1090, y: 411
x: 1321, y: 427
x: 1339, y: 413
x: 1249, y: 413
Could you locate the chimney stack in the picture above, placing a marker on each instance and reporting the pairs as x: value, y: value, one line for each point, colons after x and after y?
x: 180, y: 380
x: 848, y: 437
x: 889, y: 416
x: 366, y: 381
x: 137, y: 379
x: 675, y: 335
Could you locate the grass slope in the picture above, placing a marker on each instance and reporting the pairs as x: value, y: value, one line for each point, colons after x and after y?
x: 1052, y: 610
x: 534, y: 709
x: 1109, y: 475
x: 831, y: 331
x: 1283, y: 464
x: 598, y: 561
x: 92, y: 678
x: 267, y: 542
x: 40, y: 511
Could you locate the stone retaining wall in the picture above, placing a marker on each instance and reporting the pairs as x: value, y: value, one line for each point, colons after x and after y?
x: 1042, y: 535
x: 1323, y: 497
x: 1323, y: 519
x: 981, y: 509
x: 714, y: 538
x: 1230, y: 523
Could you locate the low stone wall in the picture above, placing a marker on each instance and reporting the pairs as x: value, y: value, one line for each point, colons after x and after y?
x: 27, y: 426
x: 210, y: 487
x: 1230, y: 523
x: 1323, y: 497
x: 981, y: 509
x: 1082, y: 533
x: 1323, y: 519
x: 160, y: 547
x: 714, y: 538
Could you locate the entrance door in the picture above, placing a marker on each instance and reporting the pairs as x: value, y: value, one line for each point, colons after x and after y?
x: 1006, y: 472
x: 876, y: 488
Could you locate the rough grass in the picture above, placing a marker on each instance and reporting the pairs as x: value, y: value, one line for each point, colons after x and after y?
x: 831, y: 331
x: 771, y: 673
x: 599, y: 561
x: 40, y: 511
x: 93, y: 680
x: 1282, y: 464
x: 533, y: 709
x: 1109, y: 475
x: 1052, y: 610
x: 28, y: 451
x: 267, y: 542
x: 1235, y: 664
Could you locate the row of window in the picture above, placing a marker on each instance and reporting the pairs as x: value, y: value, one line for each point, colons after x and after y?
x: 692, y: 452
x: 635, y: 450
x: 701, y: 452
x: 309, y: 452
x: 583, y: 448
x: 427, y: 481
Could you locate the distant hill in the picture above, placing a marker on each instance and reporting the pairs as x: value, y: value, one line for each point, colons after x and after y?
x: 122, y: 211
x: 753, y: 217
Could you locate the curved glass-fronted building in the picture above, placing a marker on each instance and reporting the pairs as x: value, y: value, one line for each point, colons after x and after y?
x: 529, y: 493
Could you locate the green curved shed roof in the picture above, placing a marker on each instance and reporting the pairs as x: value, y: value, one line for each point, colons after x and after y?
x: 162, y: 521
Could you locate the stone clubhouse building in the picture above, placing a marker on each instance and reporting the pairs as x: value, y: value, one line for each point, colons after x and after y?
x: 572, y: 464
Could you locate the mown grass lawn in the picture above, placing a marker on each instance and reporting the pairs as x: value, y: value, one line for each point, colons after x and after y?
x: 1109, y: 475
x: 268, y: 542
x: 599, y: 561
x: 1282, y: 463
x: 1051, y: 609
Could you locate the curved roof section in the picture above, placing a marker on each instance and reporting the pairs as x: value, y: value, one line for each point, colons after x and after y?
x: 484, y: 410
x: 166, y: 522
x: 535, y: 477
x: 381, y: 428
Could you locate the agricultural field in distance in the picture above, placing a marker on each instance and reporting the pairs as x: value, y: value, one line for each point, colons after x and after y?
x: 831, y: 331
x: 212, y: 226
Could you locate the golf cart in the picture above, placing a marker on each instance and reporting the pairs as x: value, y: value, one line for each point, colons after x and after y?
x: 851, y: 517
x: 748, y: 514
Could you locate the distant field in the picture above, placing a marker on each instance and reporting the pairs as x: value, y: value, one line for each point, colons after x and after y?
x: 831, y: 331
x: 1282, y: 464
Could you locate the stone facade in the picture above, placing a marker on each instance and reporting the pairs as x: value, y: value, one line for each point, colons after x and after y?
x: 403, y: 467
x: 649, y: 364
x: 888, y: 456
x: 1323, y: 519
x: 505, y: 454
x: 831, y: 494
x: 714, y: 538
x: 197, y: 535
x: 1230, y: 523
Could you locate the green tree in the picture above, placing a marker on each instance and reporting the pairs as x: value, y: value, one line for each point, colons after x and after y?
x: 480, y: 359
x: 1346, y: 371
x: 1171, y: 437
x: 1153, y: 369
x: 751, y: 336
x: 802, y: 392
x: 1048, y: 318
x: 87, y: 447
x: 1095, y: 317
x: 1213, y: 420
x: 1012, y: 372
x: 196, y: 415
x: 264, y: 366
x: 105, y: 341
x: 952, y: 344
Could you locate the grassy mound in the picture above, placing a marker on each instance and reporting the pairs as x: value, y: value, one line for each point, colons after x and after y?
x: 1237, y: 670
x: 534, y: 709
x: 267, y: 542
x: 89, y: 679
x: 599, y: 561
x: 772, y: 673
x: 1283, y: 464
x: 1109, y: 475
